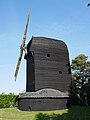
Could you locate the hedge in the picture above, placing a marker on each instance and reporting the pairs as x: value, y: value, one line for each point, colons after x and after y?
x: 8, y: 100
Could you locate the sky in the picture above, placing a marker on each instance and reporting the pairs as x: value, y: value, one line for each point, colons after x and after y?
x: 67, y: 20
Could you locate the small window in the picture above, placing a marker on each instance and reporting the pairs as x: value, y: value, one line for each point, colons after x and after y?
x: 69, y: 70
x: 48, y: 55
x: 60, y: 72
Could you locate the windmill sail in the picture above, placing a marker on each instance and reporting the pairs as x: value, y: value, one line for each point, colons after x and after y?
x: 22, y: 47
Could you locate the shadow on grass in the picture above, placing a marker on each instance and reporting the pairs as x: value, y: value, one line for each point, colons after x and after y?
x: 54, y: 116
x: 74, y: 113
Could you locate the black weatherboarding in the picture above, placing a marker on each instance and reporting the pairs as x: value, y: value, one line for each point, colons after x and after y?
x: 48, y: 75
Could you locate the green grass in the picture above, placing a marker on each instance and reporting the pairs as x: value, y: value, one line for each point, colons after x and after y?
x: 74, y: 113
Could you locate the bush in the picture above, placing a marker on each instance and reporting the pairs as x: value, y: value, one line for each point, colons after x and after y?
x: 8, y: 100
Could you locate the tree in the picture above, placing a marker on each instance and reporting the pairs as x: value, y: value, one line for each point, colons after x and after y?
x: 8, y: 100
x: 80, y: 86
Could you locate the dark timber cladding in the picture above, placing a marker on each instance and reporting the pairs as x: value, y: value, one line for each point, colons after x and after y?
x: 47, y: 65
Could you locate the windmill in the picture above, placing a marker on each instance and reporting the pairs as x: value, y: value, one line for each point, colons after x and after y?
x: 23, y: 47
x: 47, y: 81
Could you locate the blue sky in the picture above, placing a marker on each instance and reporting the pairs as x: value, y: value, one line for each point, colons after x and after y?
x: 67, y: 20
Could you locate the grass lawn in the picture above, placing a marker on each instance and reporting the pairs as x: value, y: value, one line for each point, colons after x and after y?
x: 74, y: 113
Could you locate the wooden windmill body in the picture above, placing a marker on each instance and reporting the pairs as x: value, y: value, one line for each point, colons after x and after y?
x: 48, y: 75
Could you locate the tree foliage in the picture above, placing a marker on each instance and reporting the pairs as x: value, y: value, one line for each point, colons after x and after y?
x: 80, y: 63
x: 81, y: 79
x: 8, y: 100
